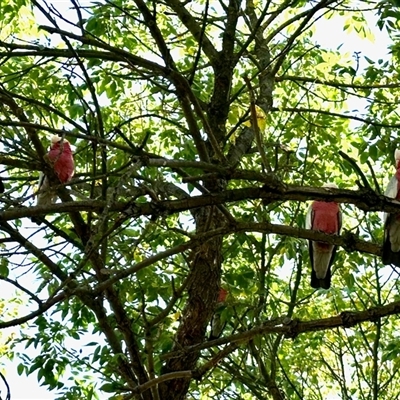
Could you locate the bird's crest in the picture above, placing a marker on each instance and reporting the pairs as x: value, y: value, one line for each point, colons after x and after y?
x: 55, y: 139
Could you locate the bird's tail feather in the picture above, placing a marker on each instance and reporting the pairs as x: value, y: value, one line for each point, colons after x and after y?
x: 324, y: 283
x: 389, y: 256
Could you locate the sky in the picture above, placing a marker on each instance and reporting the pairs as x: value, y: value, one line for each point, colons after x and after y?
x: 329, y: 34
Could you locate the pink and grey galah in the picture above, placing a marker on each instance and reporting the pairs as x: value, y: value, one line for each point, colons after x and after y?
x: 391, y: 241
x: 324, y: 217
x: 217, y: 325
x: 61, y: 158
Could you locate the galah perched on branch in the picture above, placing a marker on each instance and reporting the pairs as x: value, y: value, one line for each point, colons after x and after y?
x: 391, y: 242
x: 324, y: 217
x: 217, y: 325
x: 61, y: 158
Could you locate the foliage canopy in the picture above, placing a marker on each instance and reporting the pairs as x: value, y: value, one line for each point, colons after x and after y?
x: 200, y: 130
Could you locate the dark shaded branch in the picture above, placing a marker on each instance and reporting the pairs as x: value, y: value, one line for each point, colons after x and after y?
x: 356, y: 168
x: 23, y: 289
x: 307, y: 18
x: 65, y: 133
x: 211, y: 364
x: 176, y: 295
x: 241, y: 147
x: 18, y: 163
x: 365, y: 200
x: 195, y: 29
x: 113, y: 339
x: 335, y: 84
x: 118, y: 53
x: 151, y: 23
x: 195, y: 65
x: 19, y: 113
x: 256, y: 128
x: 288, y: 22
x: 8, y: 395
x: 156, y: 381
x: 366, y: 121
x: 53, y: 267
x: 290, y: 328
x: 229, y: 33
x: 270, y: 383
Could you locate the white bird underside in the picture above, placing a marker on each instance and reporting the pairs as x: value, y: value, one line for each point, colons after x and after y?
x: 391, y: 190
x: 394, y: 234
x: 391, y: 243
x: 393, y: 230
x: 45, y: 196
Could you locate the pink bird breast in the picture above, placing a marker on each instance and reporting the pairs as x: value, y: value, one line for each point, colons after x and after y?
x: 222, y: 295
x: 63, y: 161
x: 325, y: 217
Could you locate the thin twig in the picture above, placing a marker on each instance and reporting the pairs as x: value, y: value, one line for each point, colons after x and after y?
x: 371, y: 169
x: 356, y: 168
x: 254, y: 124
x: 8, y: 396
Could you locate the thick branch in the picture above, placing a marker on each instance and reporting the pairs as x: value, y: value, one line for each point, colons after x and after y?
x: 367, y: 120
x: 151, y: 23
x: 290, y: 328
x: 336, y: 84
x: 365, y: 200
x: 156, y: 381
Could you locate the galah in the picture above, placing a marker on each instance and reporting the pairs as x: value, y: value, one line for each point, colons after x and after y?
x: 324, y: 217
x: 217, y: 325
x: 61, y: 158
x: 391, y: 243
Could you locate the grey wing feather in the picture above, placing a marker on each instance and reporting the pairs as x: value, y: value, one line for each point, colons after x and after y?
x: 339, y: 221
x: 45, y: 196
x: 391, y: 190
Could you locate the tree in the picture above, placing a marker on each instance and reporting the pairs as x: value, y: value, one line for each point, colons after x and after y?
x: 200, y: 129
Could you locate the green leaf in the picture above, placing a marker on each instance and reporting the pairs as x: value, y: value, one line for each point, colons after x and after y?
x: 20, y: 369
x: 4, y: 271
x: 108, y: 387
